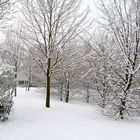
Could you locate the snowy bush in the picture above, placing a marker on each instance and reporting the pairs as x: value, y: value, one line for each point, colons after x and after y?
x: 6, y: 83
x: 6, y: 103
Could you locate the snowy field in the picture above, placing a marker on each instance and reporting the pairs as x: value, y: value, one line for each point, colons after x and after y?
x: 30, y: 120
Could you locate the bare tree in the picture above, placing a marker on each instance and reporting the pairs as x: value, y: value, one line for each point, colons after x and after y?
x: 67, y: 73
x: 14, y: 53
x: 122, y: 22
x: 51, y: 25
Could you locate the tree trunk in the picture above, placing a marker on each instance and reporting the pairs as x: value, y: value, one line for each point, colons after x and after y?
x: 48, y: 81
x: 67, y: 92
x: 123, y: 101
x: 87, y: 94
x: 29, y: 81
x: 28, y: 88
x: 122, y: 108
x: 15, y: 79
x: 104, y: 97
x: 61, y: 92
x: 15, y: 86
x: 103, y: 100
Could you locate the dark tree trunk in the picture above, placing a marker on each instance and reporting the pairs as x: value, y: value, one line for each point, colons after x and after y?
x: 15, y: 76
x: 67, y: 92
x: 104, y: 101
x: 122, y: 108
x: 61, y: 92
x: 28, y: 86
x: 48, y: 81
x: 87, y: 91
x: 87, y: 95
x: 29, y: 80
x: 15, y: 86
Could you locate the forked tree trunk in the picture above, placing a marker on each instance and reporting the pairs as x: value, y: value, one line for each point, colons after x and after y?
x: 48, y: 81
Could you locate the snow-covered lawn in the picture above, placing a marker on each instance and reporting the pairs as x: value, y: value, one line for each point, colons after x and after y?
x: 30, y: 120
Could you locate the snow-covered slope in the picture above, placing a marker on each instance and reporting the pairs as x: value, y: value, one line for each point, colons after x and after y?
x: 30, y: 120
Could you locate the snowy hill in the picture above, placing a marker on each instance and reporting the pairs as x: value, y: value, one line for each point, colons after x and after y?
x: 30, y: 120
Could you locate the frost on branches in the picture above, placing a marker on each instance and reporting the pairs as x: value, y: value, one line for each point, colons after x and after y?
x: 6, y: 101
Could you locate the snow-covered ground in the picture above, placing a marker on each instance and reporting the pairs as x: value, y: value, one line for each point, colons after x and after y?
x: 30, y: 120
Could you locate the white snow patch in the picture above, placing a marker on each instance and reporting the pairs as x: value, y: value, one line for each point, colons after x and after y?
x: 30, y: 120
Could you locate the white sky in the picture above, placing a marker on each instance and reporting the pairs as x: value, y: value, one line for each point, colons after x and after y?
x: 94, y: 14
x: 92, y: 5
